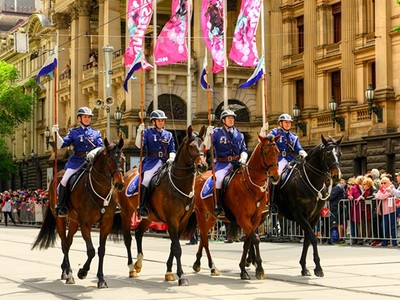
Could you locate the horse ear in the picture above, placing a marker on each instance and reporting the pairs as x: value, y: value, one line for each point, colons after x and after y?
x: 340, y: 140
x: 189, y: 131
x: 202, y: 131
x: 121, y: 143
x: 106, y: 143
x: 323, y: 140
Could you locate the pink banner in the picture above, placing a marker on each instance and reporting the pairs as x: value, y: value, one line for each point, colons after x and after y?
x: 212, y: 25
x: 139, y: 14
x: 171, y: 45
x: 244, y: 48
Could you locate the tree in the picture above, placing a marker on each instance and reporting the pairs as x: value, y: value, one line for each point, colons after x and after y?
x: 16, y: 105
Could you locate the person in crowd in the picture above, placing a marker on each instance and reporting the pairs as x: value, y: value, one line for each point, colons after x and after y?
x: 86, y: 141
x: 396, y: 194
x: 387, y: 208
x: 6, y: 208
x: 338, y: 208
x: 230, y: 150
x: 354, y: 197
x: 376, y: 178
x: 160, y: 147
x: 289, y: 147
x: 367, y: 199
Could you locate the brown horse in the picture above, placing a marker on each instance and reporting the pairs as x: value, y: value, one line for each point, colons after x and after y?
x: 171, y: 202
x: 92, y: 200
x: 244, y: 201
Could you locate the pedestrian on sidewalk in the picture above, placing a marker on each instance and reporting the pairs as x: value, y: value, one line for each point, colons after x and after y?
x: 6, y: 209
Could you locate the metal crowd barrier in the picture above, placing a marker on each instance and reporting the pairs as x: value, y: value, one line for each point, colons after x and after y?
x: 27, y: 213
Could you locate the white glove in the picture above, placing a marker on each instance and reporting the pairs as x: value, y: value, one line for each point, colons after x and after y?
x: 171, y: 158
x: 243, y: 158
x: 207, y: 138
x: 138, y: 141
x: 55, y: 128
x: 303, y: 153
x: 90, y: 156
x: 264, y: 129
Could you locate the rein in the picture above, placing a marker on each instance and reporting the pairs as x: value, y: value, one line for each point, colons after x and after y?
x: 319, y: 194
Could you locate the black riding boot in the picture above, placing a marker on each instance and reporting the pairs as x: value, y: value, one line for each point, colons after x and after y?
x: 273, y: 207
x: 143, y: 211
x: 219, y: 211
x: 61, y: 208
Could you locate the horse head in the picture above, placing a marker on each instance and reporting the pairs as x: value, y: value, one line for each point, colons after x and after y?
x: 331, y: 154
x: 114, y: 161
x: 269, y: 156
x: 195, y: 149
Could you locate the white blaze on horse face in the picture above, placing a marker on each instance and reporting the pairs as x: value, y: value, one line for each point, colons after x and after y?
x: 336, y: 156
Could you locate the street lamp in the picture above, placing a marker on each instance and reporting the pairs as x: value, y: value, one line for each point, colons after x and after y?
x: 47, y: 136
x: 340, y: 120
x: 370, y: 95
x: 108, y: 51
x: 117, y: 117
x: 301, y: 125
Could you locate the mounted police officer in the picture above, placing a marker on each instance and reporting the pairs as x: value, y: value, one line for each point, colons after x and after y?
x: 160, y: 147
x: 84, y: 139
x: 288, y: 145
x: 230, y: 150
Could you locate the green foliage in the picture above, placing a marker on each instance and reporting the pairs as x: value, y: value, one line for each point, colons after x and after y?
x: 7, y: 166
x: 16, y: 101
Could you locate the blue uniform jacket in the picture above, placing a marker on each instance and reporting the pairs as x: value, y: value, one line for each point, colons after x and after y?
x: 78, y: 137
x: 226, y: 146
x: 288, y: 144
x: 159, y: 144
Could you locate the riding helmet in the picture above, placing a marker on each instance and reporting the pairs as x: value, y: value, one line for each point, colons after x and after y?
x: 227, y: 113
x: 84, y: 111
x: 158, y: 114
x: 285, y: 117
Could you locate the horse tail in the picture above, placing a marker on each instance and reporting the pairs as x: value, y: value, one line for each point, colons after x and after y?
x: 116, y: 232
x: 232, y: 231
x: 47, y: 234
x: 190, y: 228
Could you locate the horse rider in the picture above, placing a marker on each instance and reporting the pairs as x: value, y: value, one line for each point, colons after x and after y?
x: 230, y: 150
x: 86, y: 141
x: 160, y: 147
x: 288, y: 145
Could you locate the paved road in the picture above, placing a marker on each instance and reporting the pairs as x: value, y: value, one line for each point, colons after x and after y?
x: 357, y: 272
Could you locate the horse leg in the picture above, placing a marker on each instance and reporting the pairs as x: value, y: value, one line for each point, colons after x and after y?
x: 128, y: 243
x: 243, y: 273
x: 139, y: 238
x: 66, y: 242
x: 175, y: 251
x: 314, y: 242
x: 90, y: 252
x: 303, y: 258
x: 197, y: 264
x: 251, y: 257
x: 104, y: 230
x: 255, y: 248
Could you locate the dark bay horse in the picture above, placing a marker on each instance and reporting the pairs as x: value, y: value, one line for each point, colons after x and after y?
x: 244, y: 201
x: 92, y: 200
x: 171, y: 202
x: 303, y: 190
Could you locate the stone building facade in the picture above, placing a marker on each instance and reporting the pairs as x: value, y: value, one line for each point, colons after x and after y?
x: 316, y: 51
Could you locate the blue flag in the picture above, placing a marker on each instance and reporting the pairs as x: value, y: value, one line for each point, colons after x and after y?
x: 49, y: 65
x: 136, y: 65
x: 257, y: 74
x: 203, y: 77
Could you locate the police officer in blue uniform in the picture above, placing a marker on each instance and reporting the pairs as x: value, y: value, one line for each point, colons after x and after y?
x: 84, y: 139
x: 230, y: 150
x: 288, y: 145
x: 160, y: 147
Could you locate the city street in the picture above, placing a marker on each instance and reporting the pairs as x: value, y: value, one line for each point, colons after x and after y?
x: 353, y: 272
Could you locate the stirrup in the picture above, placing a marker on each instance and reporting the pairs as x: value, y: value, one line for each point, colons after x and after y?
x: 219, y: 212
x: 62, y: 211
x: 143, y: 212
x: 274, y: 208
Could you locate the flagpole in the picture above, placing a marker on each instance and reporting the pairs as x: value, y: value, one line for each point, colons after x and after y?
x: 189, y: 63
x: 225, y: 58
x: 55, y: 177
x: 264, y: 85
x: 141, y: 122
x: 210, y: 120
x: 155, y: 81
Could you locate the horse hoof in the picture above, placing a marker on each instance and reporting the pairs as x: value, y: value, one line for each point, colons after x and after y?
x: 70, y: 280
x: 138, y: 267
x: 215, y: 272
x: 82, y: 274
x: 260, y: 275
x: 196, y: 267
x: 133, y: 274
x: 102, y: 284
x: 183, y: 282
x: 244, y: 276
x: 169, y: 277
x: 305, y: 272
x: 319, y: 273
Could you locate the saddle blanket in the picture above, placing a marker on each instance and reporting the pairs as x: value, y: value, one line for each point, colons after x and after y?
x: 208, y: 188
x: 132, y: 187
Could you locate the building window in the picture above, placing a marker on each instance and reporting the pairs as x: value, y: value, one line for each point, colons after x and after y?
x: 337, y: 22
x: 335, y: 85
x: 300, y: 34
x: 300, y: 94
